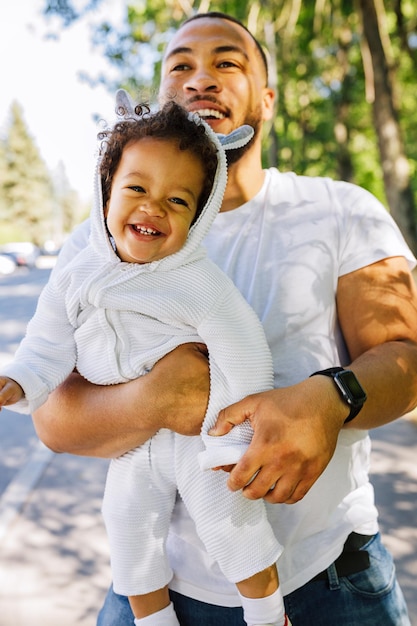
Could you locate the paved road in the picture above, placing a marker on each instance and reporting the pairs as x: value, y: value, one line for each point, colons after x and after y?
x: 53, y: 557
x: 53, y: 549
x: 394, y: 475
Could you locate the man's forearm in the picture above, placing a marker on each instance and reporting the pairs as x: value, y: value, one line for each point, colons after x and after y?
x: 377, y: 307
x: 388, y: 374
x: 85, y: 419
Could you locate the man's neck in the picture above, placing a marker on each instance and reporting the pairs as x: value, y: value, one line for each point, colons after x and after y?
x: 245, y: 180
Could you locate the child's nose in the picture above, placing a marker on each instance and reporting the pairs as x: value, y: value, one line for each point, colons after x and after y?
x: 152, y: 207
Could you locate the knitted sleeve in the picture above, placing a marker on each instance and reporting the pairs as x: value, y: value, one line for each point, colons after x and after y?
x: 46, y: 356
x: 240, y: 364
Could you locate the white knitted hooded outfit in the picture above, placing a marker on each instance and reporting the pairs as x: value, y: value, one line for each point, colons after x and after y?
x: 113, y: 320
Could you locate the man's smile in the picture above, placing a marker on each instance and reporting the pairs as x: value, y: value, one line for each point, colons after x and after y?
x: 210, y: 114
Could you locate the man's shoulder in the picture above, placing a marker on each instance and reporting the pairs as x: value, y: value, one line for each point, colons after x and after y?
x: 295, y: 180
x: 302, y: 188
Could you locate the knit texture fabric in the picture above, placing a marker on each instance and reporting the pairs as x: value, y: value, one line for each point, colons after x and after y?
x: 114, y: 321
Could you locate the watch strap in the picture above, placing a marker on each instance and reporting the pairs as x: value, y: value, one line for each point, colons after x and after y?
x: 331, y: 372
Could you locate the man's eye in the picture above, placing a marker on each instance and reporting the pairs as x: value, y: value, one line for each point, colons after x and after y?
x: 180, y: 67
x: 227, y: 64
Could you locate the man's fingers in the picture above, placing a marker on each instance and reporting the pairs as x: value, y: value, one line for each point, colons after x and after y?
x: 276, y: 483
x: 265, y: 484
x: 226, y: 419
x: 224, y: 468
x: 286, y: 493
x: 250, y: 477
x: 284, y: 490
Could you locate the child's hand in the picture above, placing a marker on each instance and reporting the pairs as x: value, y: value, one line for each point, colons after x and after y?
x: 10, y: 391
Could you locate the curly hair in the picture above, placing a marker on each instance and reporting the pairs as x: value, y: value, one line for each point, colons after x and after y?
x: 172, y: 122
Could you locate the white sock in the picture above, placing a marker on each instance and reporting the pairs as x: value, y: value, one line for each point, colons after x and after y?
x: 165, y: 617
x: 269, y: 611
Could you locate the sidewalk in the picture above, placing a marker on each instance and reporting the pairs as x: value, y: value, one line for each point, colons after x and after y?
x: 54, y: 559
x: 394, y: 476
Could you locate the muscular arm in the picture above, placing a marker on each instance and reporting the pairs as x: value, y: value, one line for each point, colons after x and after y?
x: 381, y: 335
x: 85, y: 419
x: 296, y: 428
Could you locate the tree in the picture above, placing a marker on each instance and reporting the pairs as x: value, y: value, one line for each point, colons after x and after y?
x: 67, y: 211
x: 3, y: 174
x: 395, y: 166
x: 326, y: 122
x: 27, y: 184
x: 35, y: 205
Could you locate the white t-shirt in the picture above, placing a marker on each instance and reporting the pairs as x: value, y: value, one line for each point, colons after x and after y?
x: 285, y: 250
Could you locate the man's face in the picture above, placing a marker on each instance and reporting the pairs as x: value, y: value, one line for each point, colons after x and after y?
x: 212, y: 67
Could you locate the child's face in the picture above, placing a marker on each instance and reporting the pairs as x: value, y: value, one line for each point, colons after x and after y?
x: 153, y: 199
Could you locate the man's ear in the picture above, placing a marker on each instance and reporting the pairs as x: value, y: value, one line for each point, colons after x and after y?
x: 268, y: 100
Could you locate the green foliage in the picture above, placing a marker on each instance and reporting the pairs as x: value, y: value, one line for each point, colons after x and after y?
x: 28, y: 201
x: 3, y: 172
x: 324, y: 123
x: 26, y: 185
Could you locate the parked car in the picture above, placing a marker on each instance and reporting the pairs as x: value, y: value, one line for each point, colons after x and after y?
x: 18, y: 259
x: 7, y: 264
x: 24, y: 253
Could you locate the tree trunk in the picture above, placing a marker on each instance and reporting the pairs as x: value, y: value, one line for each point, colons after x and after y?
x: 395, y: 166
x: 269, y: 35
x: 342, y: 109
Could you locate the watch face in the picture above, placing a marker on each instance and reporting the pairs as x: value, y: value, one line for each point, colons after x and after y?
x: 350, y: 387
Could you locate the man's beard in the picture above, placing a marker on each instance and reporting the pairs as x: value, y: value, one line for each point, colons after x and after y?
x: 254, y: 120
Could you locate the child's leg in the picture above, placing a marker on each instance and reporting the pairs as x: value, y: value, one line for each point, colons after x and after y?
x: 153, y: 609
x: 261, y: 598
x: 235, y: 532
x: 137, y: 507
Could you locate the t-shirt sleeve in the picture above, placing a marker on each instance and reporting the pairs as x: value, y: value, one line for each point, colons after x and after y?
x: 368, y: 232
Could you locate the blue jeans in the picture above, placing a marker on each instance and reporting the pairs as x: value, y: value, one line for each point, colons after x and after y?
x: 370, y: 597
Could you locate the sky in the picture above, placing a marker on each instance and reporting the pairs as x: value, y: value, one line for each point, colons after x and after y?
x: 42, y: 75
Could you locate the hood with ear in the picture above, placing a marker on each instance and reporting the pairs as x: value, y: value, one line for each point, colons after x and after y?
x: 99, y: 238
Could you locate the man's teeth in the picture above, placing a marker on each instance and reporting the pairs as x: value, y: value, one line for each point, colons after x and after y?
x: 210, y: 113
x: 145, y: 231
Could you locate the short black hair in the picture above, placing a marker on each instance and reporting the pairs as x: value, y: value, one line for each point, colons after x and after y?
x: 171, y: 122
x: 230, y: 18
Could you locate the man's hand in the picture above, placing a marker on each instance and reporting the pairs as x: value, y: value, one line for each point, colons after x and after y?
x: 296, y: 428
x: 92, y: 420
x: 180, y: 384
x: 292, y: 443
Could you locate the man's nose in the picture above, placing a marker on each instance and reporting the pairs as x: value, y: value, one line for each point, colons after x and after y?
x: 202, y: 80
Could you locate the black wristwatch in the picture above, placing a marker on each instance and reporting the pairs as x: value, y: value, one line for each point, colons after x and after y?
x: 349, y: 388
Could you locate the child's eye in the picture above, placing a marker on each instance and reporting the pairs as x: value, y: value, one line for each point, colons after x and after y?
x: 137, y: 188
x: 178, y: 201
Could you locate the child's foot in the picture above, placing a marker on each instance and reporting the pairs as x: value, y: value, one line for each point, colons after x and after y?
x: 266, y: 611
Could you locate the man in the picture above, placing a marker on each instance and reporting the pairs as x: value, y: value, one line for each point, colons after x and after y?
x: 329, y: 275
